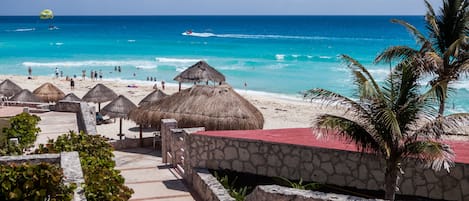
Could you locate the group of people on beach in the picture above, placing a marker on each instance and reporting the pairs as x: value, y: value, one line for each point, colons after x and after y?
x: 94, y: 74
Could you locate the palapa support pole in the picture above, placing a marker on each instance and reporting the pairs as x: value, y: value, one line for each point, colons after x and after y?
x: 120, y: 129
x: 179, y: 86
x: 141, y: 136
x: 99, y: 107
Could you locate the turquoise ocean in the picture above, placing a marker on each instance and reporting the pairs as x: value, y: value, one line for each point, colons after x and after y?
x: 281, y: 55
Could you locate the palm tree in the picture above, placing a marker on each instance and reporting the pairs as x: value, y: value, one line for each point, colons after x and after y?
x: 444, y: 54
x: 394, y: 121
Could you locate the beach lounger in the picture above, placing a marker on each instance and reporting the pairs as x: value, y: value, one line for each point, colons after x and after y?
x: 101, y: 120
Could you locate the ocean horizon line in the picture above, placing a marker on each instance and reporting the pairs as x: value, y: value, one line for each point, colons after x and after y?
x: 228, y: 15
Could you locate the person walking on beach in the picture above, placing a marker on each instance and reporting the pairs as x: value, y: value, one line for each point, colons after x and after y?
x: 162, y: 84
x: 83, y: 74
x: 30, y: 71
x: 96, y: 75
x: 57, y: 72
x: 72, y: 84
x: 100, y: 75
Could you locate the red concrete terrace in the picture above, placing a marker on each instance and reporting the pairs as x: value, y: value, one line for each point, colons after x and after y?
x: 306, y: 137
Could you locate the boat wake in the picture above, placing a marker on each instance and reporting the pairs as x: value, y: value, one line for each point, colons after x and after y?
x: 22, y: 30
x: 270, y: 36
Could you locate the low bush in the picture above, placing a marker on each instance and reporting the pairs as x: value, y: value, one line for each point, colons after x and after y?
x: 33, y: 182
x: 102, y: 180
x: 22, y: 126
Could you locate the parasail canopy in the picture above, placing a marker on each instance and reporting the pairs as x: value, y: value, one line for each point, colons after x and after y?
x: 46, y: 14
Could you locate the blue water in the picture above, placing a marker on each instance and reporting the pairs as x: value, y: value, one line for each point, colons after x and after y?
x: 277, y: 54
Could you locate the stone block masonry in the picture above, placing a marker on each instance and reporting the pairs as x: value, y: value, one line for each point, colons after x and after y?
x: 331, y: 166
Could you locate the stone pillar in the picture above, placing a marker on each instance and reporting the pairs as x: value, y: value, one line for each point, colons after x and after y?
x: 166, y: 126
x: 187, y: 165
x: 175, y: 146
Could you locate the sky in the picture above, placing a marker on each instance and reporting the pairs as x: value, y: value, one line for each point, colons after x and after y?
x: 216, y: 7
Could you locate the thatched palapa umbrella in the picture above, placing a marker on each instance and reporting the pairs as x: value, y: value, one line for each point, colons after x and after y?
x: 213, y: 107
x: 25, y: 96
x: 99, y: 94
x: 71, y: 97
x: 119, y: 108
x: 200, y: 72
x: 8, y: 88
x: 47, y: 92
x: 153, y: 97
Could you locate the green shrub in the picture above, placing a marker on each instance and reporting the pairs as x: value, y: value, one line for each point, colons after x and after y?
x: 42, y: 181
x: 24, y: 127
x: 102, y: 181
x: 239, y: 194
x: 299, y: 185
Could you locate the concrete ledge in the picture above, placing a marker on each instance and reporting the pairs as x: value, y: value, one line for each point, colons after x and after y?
x: 34, y: 159
x: 275, y: 192
x: 128, y: 143
x: 208, y: 187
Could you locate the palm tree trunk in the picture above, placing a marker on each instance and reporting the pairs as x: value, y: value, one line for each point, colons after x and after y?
x: 441, y: 109
x: 390, y: 180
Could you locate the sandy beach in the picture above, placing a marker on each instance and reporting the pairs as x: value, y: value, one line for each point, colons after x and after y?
x: 279, y: 112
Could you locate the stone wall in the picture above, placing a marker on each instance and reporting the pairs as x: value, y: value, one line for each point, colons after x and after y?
x: 274, y: 192
x: 208, y: 187
x: 86, y: 116
x: 343, y: 168
x: 69, y: 162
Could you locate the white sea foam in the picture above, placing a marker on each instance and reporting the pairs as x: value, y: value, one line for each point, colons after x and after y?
x: 176, y: 60
x: 276, y: 66
x: 146, y: 66
x: 325, y: 57
x: 280, y: 57
x: 91, y: 63
x: 180, y: 69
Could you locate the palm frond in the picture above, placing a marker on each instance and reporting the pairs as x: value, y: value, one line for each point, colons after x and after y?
x: 363, y: 135
x: 434, y: 154
x: 455, y: 48
x: 444, y: 125
x: 395, y: 53
x: 362, y: 74
x: 389, y: 119
x: 430, y: 19
x: 419, y: 37
x: 329, y: 98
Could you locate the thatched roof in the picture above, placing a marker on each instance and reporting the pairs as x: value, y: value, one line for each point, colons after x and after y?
x: 9, y: 88
x: 48, y: 92
x: 153, y: 97
x: 99, y: 94
x: 25, y: 96
x: 200, y: 72
x: 119, y: 107
x: 213, y: 107
x: 71, y: 97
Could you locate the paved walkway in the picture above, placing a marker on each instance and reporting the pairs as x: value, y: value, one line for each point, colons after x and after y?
x: 54, y: 124
x: 141, y: 167
x: 149, y: 177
